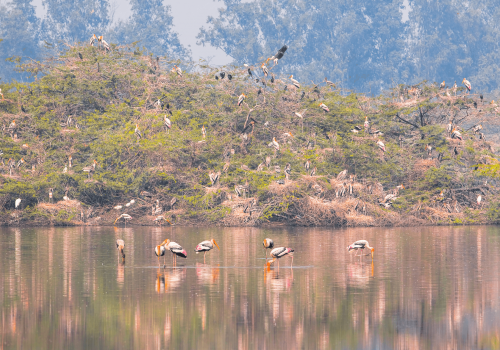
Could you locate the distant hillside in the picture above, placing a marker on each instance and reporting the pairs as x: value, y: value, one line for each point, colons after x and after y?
x: 216, y: 163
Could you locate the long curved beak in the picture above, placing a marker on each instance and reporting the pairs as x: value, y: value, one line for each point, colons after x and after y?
x: 165, y: 242
x: 216, y: 244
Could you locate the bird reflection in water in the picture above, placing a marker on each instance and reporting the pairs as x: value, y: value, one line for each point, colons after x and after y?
x: 120, y: 273
x: 359, y: 273
x: 276, y: 281
x: 207, y: 274
x: 169, y: 279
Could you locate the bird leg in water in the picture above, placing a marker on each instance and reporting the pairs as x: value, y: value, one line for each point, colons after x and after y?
x: 291, y: 262
x: 204, y: 257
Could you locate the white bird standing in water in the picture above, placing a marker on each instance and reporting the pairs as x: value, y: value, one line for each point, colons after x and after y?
x: 120, y: 245
x: 361, y: 244
x: 268, y: 244
x: 176, y: 250
x: 278, y: 253
x: 205, y: 247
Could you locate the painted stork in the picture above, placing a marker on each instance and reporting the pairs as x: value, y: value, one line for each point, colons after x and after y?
x: 177, y: 70
x: 275, y: 144
x: 467, y: 84
x: 428, y: 148
x: 278, y: 253
x: 342, y: 175
x: 264, y: 69
x: 381, y: 145
x: 449, y: 128
x: 241, y: 98
x: 125, y: 218
x: 442, y: 85
x: 307, y: 165
x: 17, y: 203
x: 268, y: 244
x: 455, y: 134
x: 160, y: 251
x: 278, y: 55
x: 21, y: 162
x: 294, y: 82
x: 12, y: 125
x: 268, y: 161
x: 324, y: 107
x: 93, y: 39
x: 313, y: 172
x: 329, y: 83
x: 477, y: 128
x: 206, y: 246
x: 356, y: 129
x: 118, y: 207
x: 137, y: 132
x: 1, y: 94
x: 104, y: 43
x: 455, y: 88
x: 120, y: 245
x: 367, y: 123
x: 301, y: 114
x: 167, y: 123
x: 203, y: 131
x: 361, y: 244
x: 176, y: 250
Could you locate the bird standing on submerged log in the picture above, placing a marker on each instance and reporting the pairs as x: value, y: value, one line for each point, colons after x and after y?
x: 361, y: 244
x: 278, y: 253
x: 205, y: 247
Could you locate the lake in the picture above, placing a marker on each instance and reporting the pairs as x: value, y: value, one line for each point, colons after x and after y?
x: 427, y: 288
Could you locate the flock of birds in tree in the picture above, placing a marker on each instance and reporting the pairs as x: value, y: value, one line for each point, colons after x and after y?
x: 203, y: 247
x: 452, y: 130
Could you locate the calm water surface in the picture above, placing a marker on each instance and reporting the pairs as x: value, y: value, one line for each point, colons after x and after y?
x: 427, y: 288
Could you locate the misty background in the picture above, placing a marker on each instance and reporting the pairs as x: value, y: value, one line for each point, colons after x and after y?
x: 365, y: 45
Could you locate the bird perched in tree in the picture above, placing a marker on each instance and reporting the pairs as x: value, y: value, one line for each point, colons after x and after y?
x: 138, y: 131
x: 118, y: 207
x: 449, y: 128
x: 342, y: 175
x: 222, y: 75
x: 367, y: 123
x: 249, y: 71
x: 241, y: 98
x: 12, y: 126
x: 167, y: 123
x: 482, y: 137
x: 301, y: 114
x: 481, y: 97
x: 272, y: 78
x: 104, y: 43
x: 324, y: 107
x: 93, y: 40
x: 120, y: 245
x: 455, y: 134
x: 455, y: 88
x: 216, y: 77
x: 288, y: 171
x: 294, y: 82
x: 80, y: 55
x: 477, y: 128
x: 158, y: 104
x: 214, y: 177
x: 203, y: 131
x: 275, y: 144
x: 229, y: 76
x: 479, y: 198
x: 307, y: 165
x: 244, y: 167
x: 467, y: 84
x: 442, y: 85
x: 177, y: 70
x: 264, y: 69
x: 17, y: 203
x: 357, y: 129
x: 268, y: 161
x: 428, y: 148
x: 21, y: 162
x: 278, y: 55
x: 381, y: 145
x: 329, y: 83
x: 313, y: 172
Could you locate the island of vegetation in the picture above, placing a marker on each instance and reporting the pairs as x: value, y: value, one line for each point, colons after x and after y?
x: 104, y: 135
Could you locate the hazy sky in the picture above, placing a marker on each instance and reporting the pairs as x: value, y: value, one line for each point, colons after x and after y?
x: 187, y: 22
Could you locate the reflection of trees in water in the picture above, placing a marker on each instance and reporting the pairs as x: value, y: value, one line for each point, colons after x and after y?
x: 428, y: 288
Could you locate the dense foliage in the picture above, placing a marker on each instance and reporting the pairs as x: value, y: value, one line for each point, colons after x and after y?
x: 88, y: 104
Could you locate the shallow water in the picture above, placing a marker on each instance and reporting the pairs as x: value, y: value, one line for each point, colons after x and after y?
x: 427, y: 288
